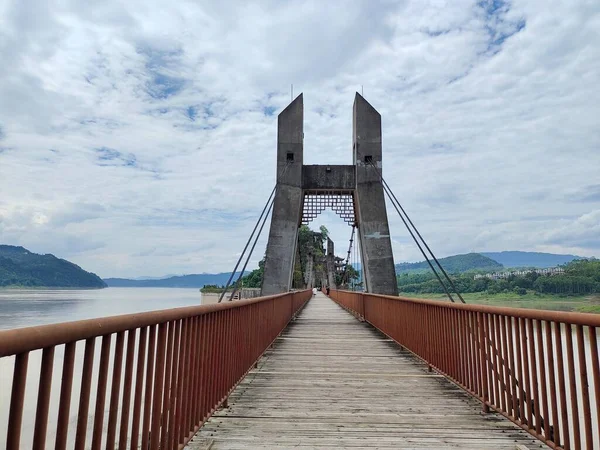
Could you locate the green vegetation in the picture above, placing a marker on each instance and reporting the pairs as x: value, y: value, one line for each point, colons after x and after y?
x: 351, y: 276
x: 580, y: 277
x: 212, y: 288
x: 21, y: 268
x: 577, y: 289
x: 254, y: 278
x: 310, y: 242
x: 455, y: 264
x: 578, y: 303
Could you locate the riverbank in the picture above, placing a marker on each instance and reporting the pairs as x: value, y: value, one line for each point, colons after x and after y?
x: 583, y: 303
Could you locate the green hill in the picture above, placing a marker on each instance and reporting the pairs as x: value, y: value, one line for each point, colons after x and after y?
x: 183, y: 281
x: 20, y: 267
x: 454, y: 264
x: 530, y: 259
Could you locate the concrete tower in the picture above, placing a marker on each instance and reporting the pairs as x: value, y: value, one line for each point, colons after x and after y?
x: 287, y: 208
x: 373, y: 229
x: 354, y: 191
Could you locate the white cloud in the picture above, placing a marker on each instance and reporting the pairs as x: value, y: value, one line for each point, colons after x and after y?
x: 138, y: 138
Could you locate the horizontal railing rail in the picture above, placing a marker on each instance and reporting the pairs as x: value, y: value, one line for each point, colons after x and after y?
x: 154, y: 380
x: 538, y: 368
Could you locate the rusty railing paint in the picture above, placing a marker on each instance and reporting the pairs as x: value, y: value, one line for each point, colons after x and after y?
x: 511, y: 359
x: 188, y: 362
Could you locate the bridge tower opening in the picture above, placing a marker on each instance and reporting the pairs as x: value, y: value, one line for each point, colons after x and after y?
x: 354, y: 192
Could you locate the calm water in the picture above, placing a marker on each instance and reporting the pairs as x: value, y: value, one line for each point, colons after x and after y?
x: 24, y: 308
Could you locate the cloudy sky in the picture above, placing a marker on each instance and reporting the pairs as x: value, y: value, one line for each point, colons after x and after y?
x: 138, y: 138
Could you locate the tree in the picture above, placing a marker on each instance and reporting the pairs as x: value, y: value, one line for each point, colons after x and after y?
x: 254, y: 278
x: 351, y: 274
x: 310, y: 244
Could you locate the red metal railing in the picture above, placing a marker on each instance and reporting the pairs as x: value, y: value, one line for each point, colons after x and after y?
x: 168, y: 372
x: 534, y: 367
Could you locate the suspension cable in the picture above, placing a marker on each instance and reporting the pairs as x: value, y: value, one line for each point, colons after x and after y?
x: 251, y: 235
x: 235, y: 287
x: 360, y: 267
x: 352, y: 265
x: 402, y: 214
x: 355, y: 256
x: 344, y: 275
x: 355, y: 265
x: 426, y: 246
x: 246, y: 246
x: 420, y: 248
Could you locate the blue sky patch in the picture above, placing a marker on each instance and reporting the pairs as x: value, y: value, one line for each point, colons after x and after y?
x: 208, y: 110
x: 191, y: 113
x: 200, y: 113
x: 498, y: 27
x: 269, y: 110
x: 162, y: 67
x: 111, y: 157
x: 164, y: 86
x: 492, y: 6
x: 159, y: 59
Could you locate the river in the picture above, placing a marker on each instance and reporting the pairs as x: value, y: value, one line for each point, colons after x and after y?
x: 30, y: 307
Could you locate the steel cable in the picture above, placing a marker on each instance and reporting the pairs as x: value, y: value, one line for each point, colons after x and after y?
x: 402, y: 213
x: 251, y: 250
x: 251, y: 235
x: 345, y: 274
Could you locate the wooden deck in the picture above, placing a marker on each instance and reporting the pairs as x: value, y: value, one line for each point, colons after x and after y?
x: 331, y: 381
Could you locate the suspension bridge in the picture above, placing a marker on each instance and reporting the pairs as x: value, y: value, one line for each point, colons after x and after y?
x: 291, y: 369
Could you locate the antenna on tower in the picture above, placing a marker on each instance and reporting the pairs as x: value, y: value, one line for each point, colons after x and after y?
x: 362, y: 90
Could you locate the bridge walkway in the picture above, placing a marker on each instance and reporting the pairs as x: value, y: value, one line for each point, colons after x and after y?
x: 330, y: 381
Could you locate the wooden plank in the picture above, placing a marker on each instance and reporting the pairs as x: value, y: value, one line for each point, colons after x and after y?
x: 331, y: 381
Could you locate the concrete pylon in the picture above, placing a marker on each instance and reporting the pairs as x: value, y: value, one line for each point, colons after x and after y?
x: 309, y: 275
x: 373, y: 228
x: 287, y: 208
x: 330, y: 262
x: 356, y: 189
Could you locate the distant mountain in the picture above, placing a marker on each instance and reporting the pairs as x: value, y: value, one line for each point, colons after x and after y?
x: 184, y: 281
x: 530, y: 259
x: 20, y: 267
x: 454, y: 264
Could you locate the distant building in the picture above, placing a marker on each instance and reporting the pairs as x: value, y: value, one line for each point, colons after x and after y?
x: 501, y: 275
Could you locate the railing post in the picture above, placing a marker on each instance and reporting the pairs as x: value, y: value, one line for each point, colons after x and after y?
x: 17, y: 399
x: 66, y: 386
x: 483, y: 366
x: 362, y: 306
